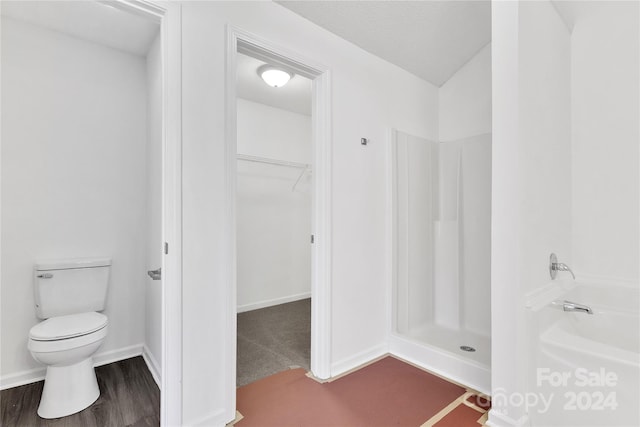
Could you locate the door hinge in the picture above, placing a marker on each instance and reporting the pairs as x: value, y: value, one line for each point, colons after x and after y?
x: 312, y: 238
x: 166, y: 248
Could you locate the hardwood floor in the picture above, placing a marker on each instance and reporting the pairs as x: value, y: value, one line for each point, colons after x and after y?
x: 128, y: 397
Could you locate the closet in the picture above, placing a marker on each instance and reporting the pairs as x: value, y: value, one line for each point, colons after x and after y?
x: 273, y: 224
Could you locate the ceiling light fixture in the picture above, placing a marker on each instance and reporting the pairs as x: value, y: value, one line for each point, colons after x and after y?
x: 274, y: 77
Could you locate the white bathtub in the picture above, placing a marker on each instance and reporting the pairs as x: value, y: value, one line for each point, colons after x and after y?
x: 589, y: 365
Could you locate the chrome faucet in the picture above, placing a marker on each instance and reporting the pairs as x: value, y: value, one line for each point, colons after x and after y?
x: 555, y: 266
x: 575, y: 307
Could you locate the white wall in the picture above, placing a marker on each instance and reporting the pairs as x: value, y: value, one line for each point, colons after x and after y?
x: 363, y: 105
x: 465, y: 131
x: 545, y: 141
x: 272, y: 132
x: 73, y: 155
x: 605, y: 134
x: 531, y: 184
x: 273, y: 220
x: 153, y: 288
x: 465, y: 100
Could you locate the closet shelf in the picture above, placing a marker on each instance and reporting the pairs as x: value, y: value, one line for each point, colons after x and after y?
x: 267, y: 160
x: 256, y: 159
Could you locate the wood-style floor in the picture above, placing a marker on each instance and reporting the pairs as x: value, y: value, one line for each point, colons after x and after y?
x: 128, y: 397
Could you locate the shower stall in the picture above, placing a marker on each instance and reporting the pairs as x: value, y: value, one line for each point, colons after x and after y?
x: 441, y: 239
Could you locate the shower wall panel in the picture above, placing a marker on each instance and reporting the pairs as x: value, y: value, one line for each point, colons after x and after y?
x: 443, y: 233
x: 416, y: 189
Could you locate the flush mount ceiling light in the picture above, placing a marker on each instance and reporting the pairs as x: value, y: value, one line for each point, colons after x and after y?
x: 274, y: 77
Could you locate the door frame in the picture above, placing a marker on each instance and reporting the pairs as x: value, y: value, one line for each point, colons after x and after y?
x: 241, y: 41
x: 168, y: 15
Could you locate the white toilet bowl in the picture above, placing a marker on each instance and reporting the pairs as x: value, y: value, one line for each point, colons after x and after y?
x: 66, y: 345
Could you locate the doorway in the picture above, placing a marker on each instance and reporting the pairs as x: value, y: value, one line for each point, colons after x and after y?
x: 273, y: 217
x: 105, y: 135
x: 241, y: 42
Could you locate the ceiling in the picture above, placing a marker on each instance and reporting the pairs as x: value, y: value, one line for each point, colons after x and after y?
x: 295, y: 96
x: 573, y: 11
x: 431, y: 39
x: 88, y: 20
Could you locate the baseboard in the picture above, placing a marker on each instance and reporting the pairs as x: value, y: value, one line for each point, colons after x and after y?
x: 212, y: 419
x: 37, y: 374
x: 358, y: 360
x: 272, y: 302
x: 21, y: 378
x: 497, y: 419
x: 153, y: 365
x: 104, y: 358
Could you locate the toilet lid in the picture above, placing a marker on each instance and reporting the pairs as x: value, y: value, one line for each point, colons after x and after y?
x: 73, y: 325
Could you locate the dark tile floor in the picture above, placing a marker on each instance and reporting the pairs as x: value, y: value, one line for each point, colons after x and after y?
x: 128, y: 397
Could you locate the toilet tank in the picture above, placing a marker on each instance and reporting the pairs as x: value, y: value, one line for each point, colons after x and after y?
x: 70, y: 286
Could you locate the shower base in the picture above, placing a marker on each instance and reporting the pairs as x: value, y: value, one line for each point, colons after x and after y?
x: 437, y: 349
x: 451, y: 340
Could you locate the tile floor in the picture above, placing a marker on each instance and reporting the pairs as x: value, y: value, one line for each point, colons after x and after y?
x: 388, y: 392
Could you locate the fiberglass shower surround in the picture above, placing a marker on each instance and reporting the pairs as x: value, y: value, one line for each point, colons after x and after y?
x: 442, y: 209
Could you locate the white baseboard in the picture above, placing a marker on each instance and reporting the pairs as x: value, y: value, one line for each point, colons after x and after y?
x: 37, y: 374
x: 106, y: 357
x: 153, y: 365
x: 358, y: 360
x: 21, y: 378
x: 212, y: 419
x: 272, y: 302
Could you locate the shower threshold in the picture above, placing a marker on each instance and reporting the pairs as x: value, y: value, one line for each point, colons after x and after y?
x: 453, y: 340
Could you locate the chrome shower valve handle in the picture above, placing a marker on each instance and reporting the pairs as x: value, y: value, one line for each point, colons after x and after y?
x: 555, y: 266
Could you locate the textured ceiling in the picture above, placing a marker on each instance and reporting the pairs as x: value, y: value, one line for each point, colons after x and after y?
x: 88, y: 20
x: 431, y: 39
x: 295, y: 96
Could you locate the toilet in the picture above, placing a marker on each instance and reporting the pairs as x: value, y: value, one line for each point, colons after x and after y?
x: 69, y: 294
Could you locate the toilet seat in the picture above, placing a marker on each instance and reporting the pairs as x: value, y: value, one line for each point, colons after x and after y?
x: 70, y: 326
x: 67, y: 332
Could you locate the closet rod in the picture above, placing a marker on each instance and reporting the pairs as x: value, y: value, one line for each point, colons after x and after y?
x: 271, y: 161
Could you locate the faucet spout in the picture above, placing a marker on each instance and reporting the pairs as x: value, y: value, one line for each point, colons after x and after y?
x: 575, y: 307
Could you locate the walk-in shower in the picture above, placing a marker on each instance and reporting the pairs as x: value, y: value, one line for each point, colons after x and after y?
x: 441, y: 232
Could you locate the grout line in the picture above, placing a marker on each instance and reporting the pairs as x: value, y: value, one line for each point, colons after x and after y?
x: 472, y: 406
x: 445, y: 411
x: 237, y: 419
x: 483, y: 419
